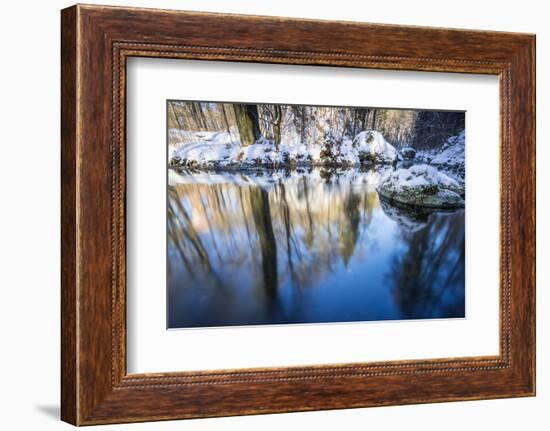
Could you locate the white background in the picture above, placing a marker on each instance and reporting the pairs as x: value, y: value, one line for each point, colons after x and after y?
x: 151, y: 348
x: 29, y: 228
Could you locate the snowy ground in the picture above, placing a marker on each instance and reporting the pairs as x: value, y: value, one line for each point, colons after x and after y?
x: 450, y: 158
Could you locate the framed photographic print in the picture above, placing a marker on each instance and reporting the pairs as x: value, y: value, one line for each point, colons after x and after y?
x: 267, y: 215
x: 287, y: 214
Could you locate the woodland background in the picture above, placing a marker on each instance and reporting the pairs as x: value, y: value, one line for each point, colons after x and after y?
x: 423, y: 130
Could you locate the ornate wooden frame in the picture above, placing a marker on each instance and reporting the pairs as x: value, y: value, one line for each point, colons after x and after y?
x: 95, y: 43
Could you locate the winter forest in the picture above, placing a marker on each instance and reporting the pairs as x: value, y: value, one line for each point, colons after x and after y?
x: 304, y: 214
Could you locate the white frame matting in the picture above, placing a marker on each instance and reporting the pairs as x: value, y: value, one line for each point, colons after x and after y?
x: 153, y: 348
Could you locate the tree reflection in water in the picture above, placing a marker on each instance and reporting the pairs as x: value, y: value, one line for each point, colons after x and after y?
x: 428, y: 278
x: 259, y: 203
x: 305, y: 246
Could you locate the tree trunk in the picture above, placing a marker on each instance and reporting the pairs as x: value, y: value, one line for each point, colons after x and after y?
x: 204, y: 120
x: 303, y: 125
x: 373, y: 126
x: 277, y: 120
x: 225, y: 120
x: 247, y: 123
x: 198, y: 116
x: 177, y: 120
x: 365, y: 121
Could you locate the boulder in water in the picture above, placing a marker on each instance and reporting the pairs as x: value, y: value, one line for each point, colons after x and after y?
x: 422, y: 186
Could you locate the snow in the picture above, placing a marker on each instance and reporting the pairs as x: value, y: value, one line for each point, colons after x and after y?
x: 422, y: 176
x: 175, y: 134
x: 338, y: 150
x: 422, y: 185
x: 262, y: 153
x: 314, y: 153
x: 298, y: 153
x: 451, y: 157
x: 372, y: 146
x: 424, y: 156
x: 347, y: 153
x: 212, y: 149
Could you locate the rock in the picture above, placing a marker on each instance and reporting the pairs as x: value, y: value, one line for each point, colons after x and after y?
x: 373, y: 147
x: 176, y: 161
x: 422, y: 186
x: 408, y: 153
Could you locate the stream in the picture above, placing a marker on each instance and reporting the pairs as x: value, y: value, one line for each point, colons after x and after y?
x: 306, y: 246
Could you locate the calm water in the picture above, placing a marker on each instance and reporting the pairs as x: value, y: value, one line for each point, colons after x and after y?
x: 306, y: 246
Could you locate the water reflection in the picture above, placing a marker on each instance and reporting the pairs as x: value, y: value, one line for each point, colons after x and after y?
x: 304, y: 246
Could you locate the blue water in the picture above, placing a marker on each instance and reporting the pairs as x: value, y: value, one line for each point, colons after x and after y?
x: 306, y: 246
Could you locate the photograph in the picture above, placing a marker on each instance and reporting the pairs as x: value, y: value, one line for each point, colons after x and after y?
x: 296, y: 214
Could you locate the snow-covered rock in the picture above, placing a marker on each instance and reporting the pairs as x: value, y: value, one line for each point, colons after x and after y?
x: 261, y: 153
x: 408, y: 153
x: 451, y: 157
x: 372, y: 147
x: 422, y: 186
x: 297, y: 154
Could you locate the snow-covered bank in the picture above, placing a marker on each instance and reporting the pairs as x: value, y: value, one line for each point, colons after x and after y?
x: 450, y: 158
x: 422, y: 186
x: 210, y: 150
x: 220, y: 150
x: 452, y: 155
